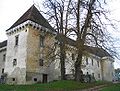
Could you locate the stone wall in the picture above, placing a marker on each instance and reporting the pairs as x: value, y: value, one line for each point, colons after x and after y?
x: 35, y: 52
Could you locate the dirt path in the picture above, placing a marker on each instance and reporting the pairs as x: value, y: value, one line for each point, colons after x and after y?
x: 96, y: 88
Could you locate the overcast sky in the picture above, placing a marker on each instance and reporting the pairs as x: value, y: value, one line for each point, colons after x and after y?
x: 11, y: 10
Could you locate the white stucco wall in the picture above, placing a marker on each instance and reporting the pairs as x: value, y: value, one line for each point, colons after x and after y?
x: 17, y: 52
x: 92, y: 69
x: 69, y: 65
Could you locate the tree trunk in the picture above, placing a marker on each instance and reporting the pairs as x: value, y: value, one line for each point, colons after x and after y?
x: 78, y: 71
x: 62, y: 60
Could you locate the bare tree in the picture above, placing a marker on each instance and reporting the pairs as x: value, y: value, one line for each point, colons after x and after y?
x: 58, y: 12
x: 87, y: 19
x: 91, y: 29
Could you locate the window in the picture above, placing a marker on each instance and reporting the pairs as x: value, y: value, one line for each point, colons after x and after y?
x: 16, y: 40
x: 13, y: 79
x: 73, y: 56
x: 98, y: 75
x: 35, y: 79
x: 93, y: 74
x: 26, y: 30
x: 86, y: 61
x: 73, y: 71
x: 92, y: 61
x: 14, y: 62
x: 98, y: 63
x: 3, y: 70
x: 41, y: 62
x: 4, y: 56
x: 42, y: 38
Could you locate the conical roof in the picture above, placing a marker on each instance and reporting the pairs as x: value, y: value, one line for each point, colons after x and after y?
x: 34, y: 15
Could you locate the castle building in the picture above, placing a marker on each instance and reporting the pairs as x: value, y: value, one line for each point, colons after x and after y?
x: 28, y: 54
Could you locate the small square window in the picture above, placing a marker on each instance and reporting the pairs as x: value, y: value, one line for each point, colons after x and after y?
x: 35, y: 79
x: 13, y: 79
x: 14, y: 62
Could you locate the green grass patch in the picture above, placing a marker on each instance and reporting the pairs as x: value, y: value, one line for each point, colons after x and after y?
x: 113, y: 87
x: 52, y: 86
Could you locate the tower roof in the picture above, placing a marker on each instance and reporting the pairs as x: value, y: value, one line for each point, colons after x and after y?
x: 34, y: 15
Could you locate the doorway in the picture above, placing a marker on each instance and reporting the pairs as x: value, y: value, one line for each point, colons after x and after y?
x: 44, y: 78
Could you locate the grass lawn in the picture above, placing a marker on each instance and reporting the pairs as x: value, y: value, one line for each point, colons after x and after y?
x: 114, y: 87
x: 53, y: 86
